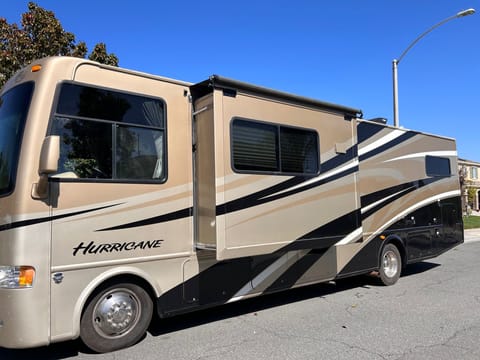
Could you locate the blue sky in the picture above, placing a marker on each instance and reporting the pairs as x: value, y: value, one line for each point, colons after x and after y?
x: 338, y: 51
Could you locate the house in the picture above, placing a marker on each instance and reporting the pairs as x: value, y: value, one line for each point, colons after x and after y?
x: 469, y: 172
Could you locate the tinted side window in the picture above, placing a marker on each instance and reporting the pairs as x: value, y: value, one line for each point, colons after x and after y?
x: 437, y: 166
x: 299, y: 150
x: 104, y: 104
x: 107, y: 134
x: 254, y: 146
x: 14, y: 106
x: 85, y: 147
x: 273, y: 148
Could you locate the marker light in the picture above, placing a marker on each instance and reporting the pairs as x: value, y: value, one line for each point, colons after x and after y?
x: 36, y: 67
x: 16, y: 277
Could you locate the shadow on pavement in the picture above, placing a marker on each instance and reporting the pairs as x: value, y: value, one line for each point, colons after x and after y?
x: 64, y: 350
x: 419, y: 268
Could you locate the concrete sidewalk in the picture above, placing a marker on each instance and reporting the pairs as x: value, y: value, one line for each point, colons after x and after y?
x: 472, y: 235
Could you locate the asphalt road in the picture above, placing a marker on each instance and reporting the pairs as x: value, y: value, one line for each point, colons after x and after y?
x: 431, y: 313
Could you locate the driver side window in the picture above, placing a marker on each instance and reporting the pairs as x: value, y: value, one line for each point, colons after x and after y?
x: 105, y: 134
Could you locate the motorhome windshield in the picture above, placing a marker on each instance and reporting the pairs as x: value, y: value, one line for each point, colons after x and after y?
x: 14, y: 106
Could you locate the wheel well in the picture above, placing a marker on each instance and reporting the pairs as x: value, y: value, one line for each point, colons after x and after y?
x: 400, y: 246
x: 123, y: 278
x: 129, y: 297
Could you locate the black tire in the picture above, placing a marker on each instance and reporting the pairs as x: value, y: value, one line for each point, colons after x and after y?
x: 390, y: 265
x: 117, y: 316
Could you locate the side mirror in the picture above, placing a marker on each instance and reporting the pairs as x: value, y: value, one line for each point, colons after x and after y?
x: 48, y: 164
x: 49, y: 155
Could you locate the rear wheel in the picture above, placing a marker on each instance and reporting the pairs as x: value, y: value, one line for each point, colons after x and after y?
x: 390, y: 265
x: 116, y: 317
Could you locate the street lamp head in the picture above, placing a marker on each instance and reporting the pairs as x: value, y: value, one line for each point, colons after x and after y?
x: 466, y: 12
x: 395, y: 62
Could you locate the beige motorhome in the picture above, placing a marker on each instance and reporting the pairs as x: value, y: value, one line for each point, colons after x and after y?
x: 124, y: 194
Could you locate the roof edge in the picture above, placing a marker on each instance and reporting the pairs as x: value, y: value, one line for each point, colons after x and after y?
x: 219, y: 82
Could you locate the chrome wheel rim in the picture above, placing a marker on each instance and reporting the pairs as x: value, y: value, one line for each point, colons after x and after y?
x: 390, y: 264
x: 116, y: 313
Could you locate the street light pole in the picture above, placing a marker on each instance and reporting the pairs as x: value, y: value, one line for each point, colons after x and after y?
x: 395, y: 62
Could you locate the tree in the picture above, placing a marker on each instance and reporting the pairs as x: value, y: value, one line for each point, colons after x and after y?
x: 471, y: 193
x: 41, y: 35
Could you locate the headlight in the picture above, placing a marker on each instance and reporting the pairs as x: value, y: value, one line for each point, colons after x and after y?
x: 16, y: 277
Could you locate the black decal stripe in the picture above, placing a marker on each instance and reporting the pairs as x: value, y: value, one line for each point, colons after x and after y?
x: 371, y: 198
x: 367, y: 130
x: 388, y: 146
x: 366, y: 259
x: 29, y: 222
x: 327, y: 180
x: 400, y: 191
x: 326, y: 235
x: 339, y: 160
x: 339, y: 227
x: 175, y: 215
x: 255, y: 200
x: 261, y: 262
x: 312, y: 243
x: 380, y: 206
x: 289, y: 278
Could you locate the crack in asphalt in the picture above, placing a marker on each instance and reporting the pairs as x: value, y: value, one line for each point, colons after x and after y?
x: 285, y: 335
x: 223, y: 349
x: 417, y: 350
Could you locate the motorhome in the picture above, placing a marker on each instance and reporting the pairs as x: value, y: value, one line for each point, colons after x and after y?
x: 125, y: 195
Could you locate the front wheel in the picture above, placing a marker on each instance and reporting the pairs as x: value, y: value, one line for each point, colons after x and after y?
x: 390, y: 265
x: 116, y: 317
